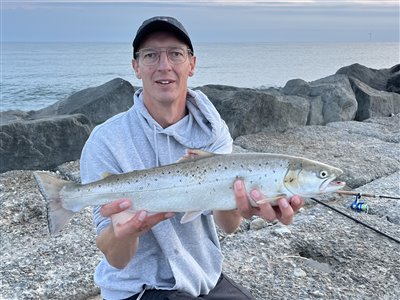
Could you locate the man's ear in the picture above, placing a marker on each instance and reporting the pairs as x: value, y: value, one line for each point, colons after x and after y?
x: 192, y: 65
x: 135, y: 67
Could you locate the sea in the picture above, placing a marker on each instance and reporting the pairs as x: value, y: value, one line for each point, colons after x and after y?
x: 35, y: 75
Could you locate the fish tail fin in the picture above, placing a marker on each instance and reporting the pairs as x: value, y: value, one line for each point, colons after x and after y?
x: 50, y: 187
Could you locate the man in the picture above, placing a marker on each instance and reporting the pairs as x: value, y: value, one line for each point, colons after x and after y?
x: 154, y: 256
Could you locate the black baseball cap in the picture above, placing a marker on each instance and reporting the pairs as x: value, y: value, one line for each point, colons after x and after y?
x: 161, y: 23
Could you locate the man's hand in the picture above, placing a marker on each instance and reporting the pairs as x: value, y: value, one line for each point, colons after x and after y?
x: 119, y: 242
x: 137, y: 225
x: 283, y: 212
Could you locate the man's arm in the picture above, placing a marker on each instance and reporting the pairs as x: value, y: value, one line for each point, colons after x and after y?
x: 119, y: 242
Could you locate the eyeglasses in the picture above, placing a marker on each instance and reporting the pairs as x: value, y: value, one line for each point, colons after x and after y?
x: 151, y: 56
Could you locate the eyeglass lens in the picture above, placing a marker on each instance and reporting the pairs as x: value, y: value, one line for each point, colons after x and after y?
x: 151, y: 56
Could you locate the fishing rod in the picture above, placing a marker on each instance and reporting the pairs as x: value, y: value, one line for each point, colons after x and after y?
x: 356, y: 220
x: 366, y: 195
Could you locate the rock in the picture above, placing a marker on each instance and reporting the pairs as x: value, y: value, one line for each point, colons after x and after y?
x: 299, y: 273
x: 96, y: 103
x: 42, y: 144
x: 11, y: 116
x: 281, y: 230
x: 299, y: 103
x: 297, y: 87
x: 339, y: 103
x: 374, y: 103
x: 70, y: 170
x: 257, y: 224
x: 377, y: 79
x: 393, y: 83
x: 385, y: 129
x: 383, y: 208
x: 249, y: 111
x: 34, y: 265
x: 317, y: 294
x: 331, y: 98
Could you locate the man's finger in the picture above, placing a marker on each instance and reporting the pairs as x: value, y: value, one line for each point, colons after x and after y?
x: 286, y: 211
x: 242, y: 202
x: 296, y: 202
x: 157, y: 218
x: 115, y: 207
x: 265, y: 208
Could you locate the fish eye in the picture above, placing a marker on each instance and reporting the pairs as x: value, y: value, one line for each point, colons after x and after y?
x: 323, y: 174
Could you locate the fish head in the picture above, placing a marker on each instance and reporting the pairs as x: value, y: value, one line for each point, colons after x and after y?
x: 309, y: 178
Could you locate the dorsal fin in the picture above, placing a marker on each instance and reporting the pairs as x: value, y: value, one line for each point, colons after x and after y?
x: 193, y: 154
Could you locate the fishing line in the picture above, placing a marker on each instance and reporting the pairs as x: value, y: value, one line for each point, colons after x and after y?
x: 356, y: 220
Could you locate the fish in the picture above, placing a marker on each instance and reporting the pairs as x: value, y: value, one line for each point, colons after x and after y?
x: 200, y: 181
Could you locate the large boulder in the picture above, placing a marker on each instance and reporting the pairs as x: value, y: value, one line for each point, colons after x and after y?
x: 42, y: 144
x: 373, y: 102
x: 97, y: 103
x: 249, y: 111
x: 331, y: 98
x: 376, y: 79
x: 393, y: 83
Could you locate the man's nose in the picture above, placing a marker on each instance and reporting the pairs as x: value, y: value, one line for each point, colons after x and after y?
x: 164, y: 62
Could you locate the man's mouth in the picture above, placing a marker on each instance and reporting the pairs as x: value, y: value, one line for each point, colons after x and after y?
x: 164, y: 82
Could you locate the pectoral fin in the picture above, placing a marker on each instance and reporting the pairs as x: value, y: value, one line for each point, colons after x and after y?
x: 192, y: 154
x: 272, y: 200
x: 190, y: 216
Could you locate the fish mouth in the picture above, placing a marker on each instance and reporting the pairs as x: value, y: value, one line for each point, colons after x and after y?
x: 329, y: 185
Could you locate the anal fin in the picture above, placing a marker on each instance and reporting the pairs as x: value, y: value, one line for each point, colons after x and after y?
x: 190, y: 216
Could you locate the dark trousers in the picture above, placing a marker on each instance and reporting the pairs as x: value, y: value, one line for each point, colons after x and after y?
x: 226, y: 289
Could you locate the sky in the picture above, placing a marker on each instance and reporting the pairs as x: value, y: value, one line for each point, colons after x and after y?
x: 206, y: 21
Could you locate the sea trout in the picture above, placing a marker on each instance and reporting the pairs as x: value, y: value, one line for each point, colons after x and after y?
x: 199, y: 182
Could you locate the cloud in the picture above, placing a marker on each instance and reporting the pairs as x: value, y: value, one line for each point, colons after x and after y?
x: 260, y: 21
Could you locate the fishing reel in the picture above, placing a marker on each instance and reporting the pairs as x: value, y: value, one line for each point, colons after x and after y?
x: 358, y: 205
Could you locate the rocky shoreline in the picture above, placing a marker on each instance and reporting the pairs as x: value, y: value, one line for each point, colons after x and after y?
x: 350, y: 120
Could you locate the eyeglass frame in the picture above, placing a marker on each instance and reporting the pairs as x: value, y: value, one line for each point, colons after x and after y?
x: 165, y: 49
